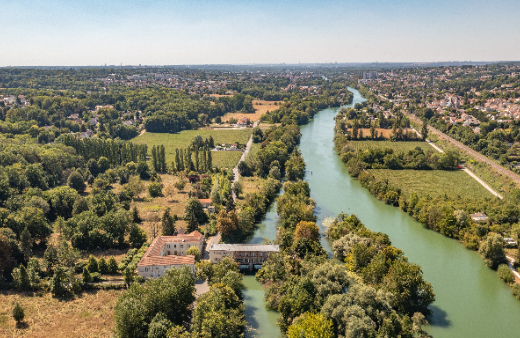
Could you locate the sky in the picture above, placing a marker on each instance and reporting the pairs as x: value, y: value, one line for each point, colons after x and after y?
x: 181, y: 32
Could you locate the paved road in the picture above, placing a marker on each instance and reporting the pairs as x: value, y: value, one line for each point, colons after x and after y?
x: 212, y: 240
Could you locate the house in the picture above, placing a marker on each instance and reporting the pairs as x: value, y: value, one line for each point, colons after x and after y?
x: 206, y: 202
x: 510, y: 242
x: 243, y: 254
x: 86, y: 134
x: 166, y: 252
x: 479, y: 217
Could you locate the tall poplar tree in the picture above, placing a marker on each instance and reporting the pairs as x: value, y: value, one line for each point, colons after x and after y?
x: 209, y: 160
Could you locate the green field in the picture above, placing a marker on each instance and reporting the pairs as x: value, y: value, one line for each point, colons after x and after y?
x: 255, y: 147
x: 396, y: 146
x: 434, y: 182
x: 183, y: 139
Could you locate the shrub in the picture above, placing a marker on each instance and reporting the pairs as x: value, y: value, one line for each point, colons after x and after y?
x: 92, y: 264
x: 112, y: 265
x: 155, y: 189
x: 102, y: 265
x: 18, y: 312
x: 505, y: 273
x: 87, y: 277
x: 516, y: 291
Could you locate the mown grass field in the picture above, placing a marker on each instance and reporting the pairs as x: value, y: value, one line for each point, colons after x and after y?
x: 87, y: 315
x: 396, y: 146
x: 437, y: 183
x: 183, y: 139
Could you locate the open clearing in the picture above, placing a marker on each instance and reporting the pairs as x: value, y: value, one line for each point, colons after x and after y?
x: 437, y: 183
x: 261, y: 107
x: 396, y: 146
x: 87, y: 315
x: 183, y: 139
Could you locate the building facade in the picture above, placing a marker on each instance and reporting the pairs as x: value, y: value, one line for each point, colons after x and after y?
x: 169, y: 251
x: 243, y: 254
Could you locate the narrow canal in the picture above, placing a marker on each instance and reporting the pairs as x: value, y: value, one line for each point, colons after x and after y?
x: 471, y: 300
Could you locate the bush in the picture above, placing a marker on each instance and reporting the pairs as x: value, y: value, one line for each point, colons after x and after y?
x: 112, y: 265
x: 96, y: 276
x: 155, y: 189
x: 505, y: 273
x: 102, y: 265
x: 195, y: 252
x: 18, y: 312
x: 87, y: 277
x: 92, y: 264
x: 128, y: 258
x: 516, y: 291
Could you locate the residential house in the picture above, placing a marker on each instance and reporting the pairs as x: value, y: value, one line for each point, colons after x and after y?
x: 206, y: 202
x: 479, y: 217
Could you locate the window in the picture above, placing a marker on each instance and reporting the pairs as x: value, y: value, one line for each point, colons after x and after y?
x: 259, y: 254
x: 254, y: 253
x: 175, y: 245
x: 182, y: 246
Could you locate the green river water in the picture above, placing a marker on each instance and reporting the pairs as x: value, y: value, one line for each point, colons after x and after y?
x: 471, y: 301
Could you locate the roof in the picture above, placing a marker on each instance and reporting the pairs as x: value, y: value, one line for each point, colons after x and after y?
x: 478, y: 214
x: 244, y: 247
x: 205, y: 200
x: 152, y: 255
x: 167, y: 260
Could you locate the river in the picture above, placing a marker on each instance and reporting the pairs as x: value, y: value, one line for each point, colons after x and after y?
x: 471, y: 300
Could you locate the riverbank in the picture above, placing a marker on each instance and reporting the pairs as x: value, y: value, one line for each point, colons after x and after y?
x: 481, y: 306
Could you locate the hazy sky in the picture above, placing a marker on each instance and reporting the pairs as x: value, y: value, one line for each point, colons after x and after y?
x: 71, y: 32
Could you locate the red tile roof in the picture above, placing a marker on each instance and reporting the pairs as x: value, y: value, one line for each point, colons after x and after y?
x: 152, y: 254
x: 167, y: 260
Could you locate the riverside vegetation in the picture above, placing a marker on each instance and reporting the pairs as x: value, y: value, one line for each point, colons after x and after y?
x: 377, y: 292
x: 388, y: 169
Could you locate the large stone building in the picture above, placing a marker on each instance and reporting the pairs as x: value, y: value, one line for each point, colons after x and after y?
x: 169, y: 251
x: 243, y: 254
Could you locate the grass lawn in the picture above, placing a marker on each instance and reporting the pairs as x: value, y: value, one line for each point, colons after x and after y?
x: 397, y: 146
x: 434, y: 182
x: 500, y: 182
x: 87, y: 315
x: 183, y: 139
x: 249, y: 185
x: 255, y: 147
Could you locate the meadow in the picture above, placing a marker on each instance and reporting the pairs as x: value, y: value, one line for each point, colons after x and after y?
x: 87, y: 315
x: 221, y: 159
x: 436, y: 183
x: 396, y: 146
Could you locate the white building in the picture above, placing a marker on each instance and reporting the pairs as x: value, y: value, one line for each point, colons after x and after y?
x: 244, y: 254
x: 169, y: 251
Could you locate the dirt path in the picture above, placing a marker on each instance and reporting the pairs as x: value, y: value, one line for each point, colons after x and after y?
x: 510, y: 261
x: 242, y: 158
x: 468, y: 150
x: 466, y: 170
